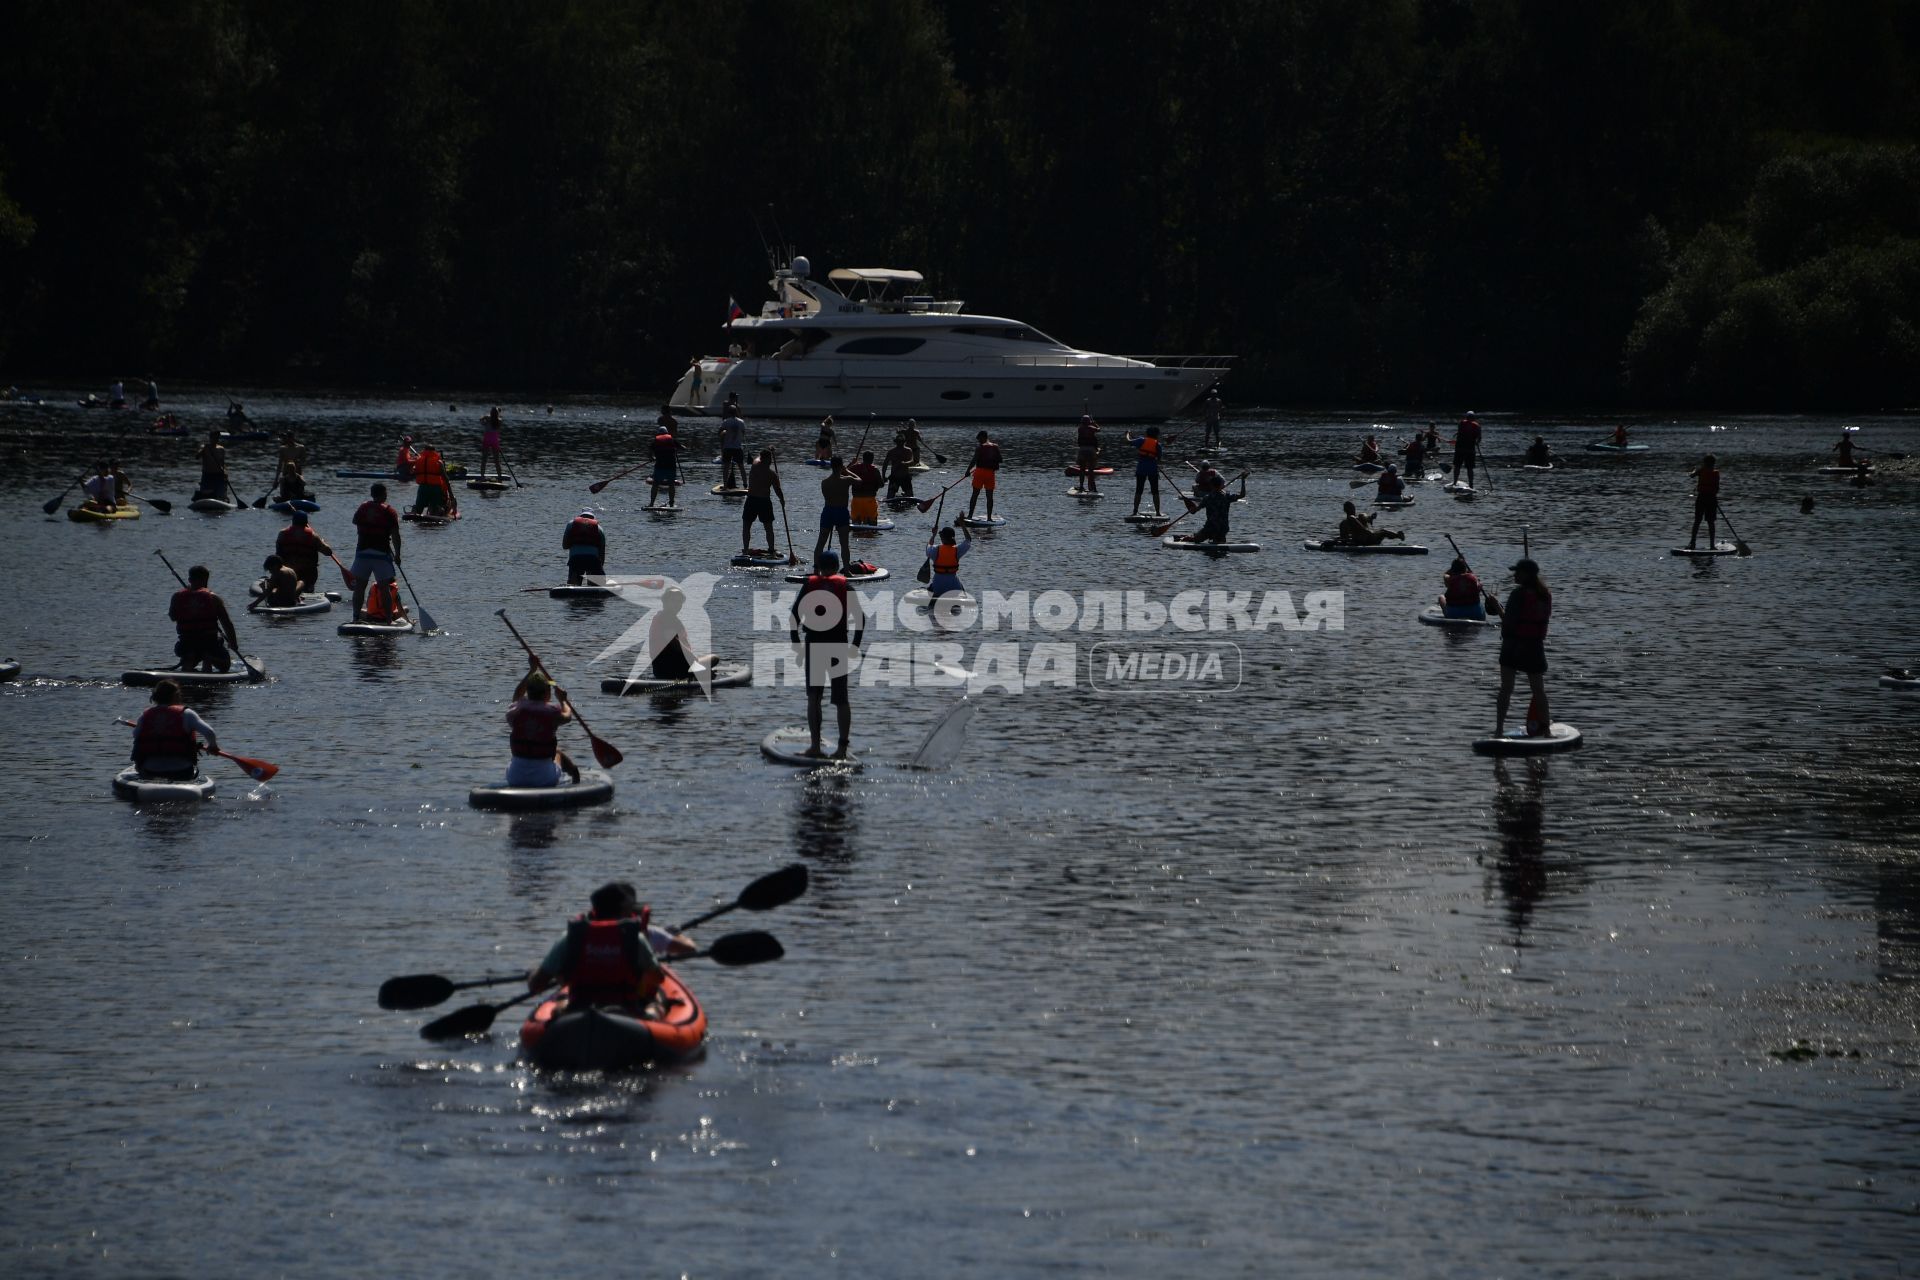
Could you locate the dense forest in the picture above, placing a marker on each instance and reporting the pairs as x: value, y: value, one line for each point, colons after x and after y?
x: 1421, y: 202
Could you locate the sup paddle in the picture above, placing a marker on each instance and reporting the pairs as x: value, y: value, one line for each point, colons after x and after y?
x: 1160, y: 530
x: 255, y: 672
x: 53, y: 504
x: 1739, y: 548
x: 509, y: 467
x: 926, y: 504
x: 345, y: 572
x: 781, y: 492
x: 427, y: 625
x: 158, y: 504
x: 933, y: 535
x: 1489, y: 602
x: 605, y: 752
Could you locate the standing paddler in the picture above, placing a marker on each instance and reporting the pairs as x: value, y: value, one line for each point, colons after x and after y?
x: 376, y: 549
x: 1523, y: 647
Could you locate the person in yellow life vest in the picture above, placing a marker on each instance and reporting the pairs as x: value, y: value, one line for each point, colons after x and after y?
x: 944, y: 556
x: 866, y: 490
x: 164, y: 740
x: 612, y: 954
x: 434, y: 494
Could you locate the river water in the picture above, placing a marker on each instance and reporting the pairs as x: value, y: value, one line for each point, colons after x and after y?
x: 1147, y: 980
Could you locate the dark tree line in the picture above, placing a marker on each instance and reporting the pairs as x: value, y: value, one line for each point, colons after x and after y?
x: 1410, y: 201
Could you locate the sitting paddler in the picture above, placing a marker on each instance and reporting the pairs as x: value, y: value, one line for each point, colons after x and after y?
x: 1845, y: 450
x: 1210, y: 494
x: 200, y: 618
x: 213, y: 468
x: 533, y: 727
x: 1432, y: 440
x: 293, y: 485
x: 102, y: 490
x: 866, y: 490
x: 1390, y: 486
x: 1464, y: 596
x: 165, y: 739
x: 1415, y: 452
x: 585, y: 543
x: 377, y: 550
x: 668, y: 642
x: 612, y: 954
x: 1369, y: 450
x: 944, y: 557
x: 302, y: 548
x: 1356, y: 530
x: 1620, y: 437
x: 1539, y: 453
x: 281, y: 586
x: 435, y: 493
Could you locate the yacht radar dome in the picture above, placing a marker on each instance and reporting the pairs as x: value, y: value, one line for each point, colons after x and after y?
x: 800, y: 266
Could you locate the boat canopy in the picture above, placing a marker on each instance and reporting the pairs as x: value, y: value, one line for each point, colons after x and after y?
x: 875, y: 275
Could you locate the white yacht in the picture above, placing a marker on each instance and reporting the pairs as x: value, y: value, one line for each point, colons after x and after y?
x: 869, y: 341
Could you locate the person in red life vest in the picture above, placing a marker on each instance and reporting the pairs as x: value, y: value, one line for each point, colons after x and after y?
x: 827, y: 625
x: 586, y: 546
x: 1706, y: 501
x: 301, y: 548
x: 611, y: 955
x: 867, y: 480
x: 281, y: 586
x: 435, y: 493
x: 201, y: 619
x: 1146, y: 467
x: 1087, y: 453
x: 533, y: 729
x: 1369, y: 450
x: 1390, y: 487
x: 405, y: 461
x: 1620, y: 436
x: 1415, y: 452
x: 986, y: 472
x: 1464, y: 596
x: 1466, y: 447
x: 666, y: 462
x: 164, y: 742
x: 377, y: 550
x: 944, y: 556
x: 1523, y: 647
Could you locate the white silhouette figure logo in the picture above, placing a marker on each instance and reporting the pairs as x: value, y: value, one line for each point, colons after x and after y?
x: 675, y: 613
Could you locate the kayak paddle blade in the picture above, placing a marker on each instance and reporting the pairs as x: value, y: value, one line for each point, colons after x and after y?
x: 414, y: 991
x: 737, y: 949
x: 775, y: 889
x: 470, y: 1021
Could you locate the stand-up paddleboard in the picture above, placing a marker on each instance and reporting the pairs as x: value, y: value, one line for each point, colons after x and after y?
x: 818, y: 462
x: 1515, y: 742
x: 1369, y: 466
x: 1084, y: 494
x: 1098, y: 471
x: 920, y: 466
x: 724, y: 491
x: 1392, y: 504
x: 246, y: 437
x: 901, y: 501
x: 1434, y: 616
x: 593, y: 788
x: 1900, y: 678
x: 1175, y: 542
x: 580, y: 591
x: 878, y: 573
x: 1459, y: 487
x: 724, y: 675
x: 308, y: 604
x: 1536, y: 466
x: 878, y: 526
x: 429, y: 519
x: 670, y: 509
x: 292, y: 505
x: 129, y: 785
x: 758, y: 562
x: 1141, y: 518
x: 1377, y: 549
x: 1843, y: 471
x: 375, y: 628
x: 147, y: 679
x: 922, y: 598
x: 93, y: 515
x: 9, y: 670
x: 981, y: 522
x: 212, y: 506
x: 1701, y: 553
x: 489, y: 484
x: 1605, y: 446
x: 349, y: 473
x: 789, y: 746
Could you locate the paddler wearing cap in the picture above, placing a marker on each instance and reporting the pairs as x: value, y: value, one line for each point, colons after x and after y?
x: 586, y: 546
x: 1523, y: 647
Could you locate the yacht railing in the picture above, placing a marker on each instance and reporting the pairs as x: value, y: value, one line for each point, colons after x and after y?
x: 1063, y: 359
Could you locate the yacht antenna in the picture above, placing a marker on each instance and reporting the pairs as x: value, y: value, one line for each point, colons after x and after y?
x: 779, y: 236
x: 772, y: 263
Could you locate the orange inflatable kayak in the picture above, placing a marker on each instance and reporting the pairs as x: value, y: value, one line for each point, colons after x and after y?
x: 612, y: 1039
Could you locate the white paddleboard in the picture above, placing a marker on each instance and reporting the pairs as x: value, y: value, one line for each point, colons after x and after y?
x: 981, y: 522
x: 593, y: 788
x: 1377, y: 549
x: 878, y: 574
x: 879, y: 526
x: 212, y: 506
x: 725, y: 675
x: 129, y: 785
x: 1392, y: 504
x: 1893, y: 681
x: 1085, y: 494
x: 1174, y: 542
x: 1536, y: 466
x: 147, y: 679
x: 721, y: 491
x: 1515, y: 742
x: 1434, y: 616
x: 308, y: 604
x: 789, y: 746
x: 758, y: 562
x: 375, y: 628
x: 1698, y: 553
x: 1146, y: 519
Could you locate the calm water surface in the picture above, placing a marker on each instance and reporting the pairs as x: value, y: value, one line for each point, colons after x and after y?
x: 1280, y: 981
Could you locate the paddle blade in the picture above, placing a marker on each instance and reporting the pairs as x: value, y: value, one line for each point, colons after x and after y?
x: 258, y: 770
x: 346, y: 574
x: 598, y: 485
x: 161, y: 505
x: 737, y: 949
x: 775, y: 889
x: 427, y: 625
x: 52, y: 505
x: 255, y: 672
x: 941, y: 746
x: 470, y: 1021
x: 414, y: 991
x: 605, y: 752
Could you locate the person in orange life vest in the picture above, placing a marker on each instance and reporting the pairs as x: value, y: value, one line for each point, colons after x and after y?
x: 1466, y: 447
x: 1706, y: 501
x: 612, y: 954
x: 586, y: 546
x: 1390, y: 487
x: 866, y: 490
x: 434, y: 492
x: 826, y: 622
x: 668, y: 642
x: 405, y: 461
x: 282, y: 586
x: 1523, y: 647
x: 1086, y: 455
x: 666, y: 462
x: 302, y: 548
x: 1146, y: 467
x: 200, y: 617
x: 164, y: 744
x: 1369, y: 450
x: 986, y: 472
x: 1464, y: 597
x: 945, y: 557
x: 533, y: 728
x: 377, y: 550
